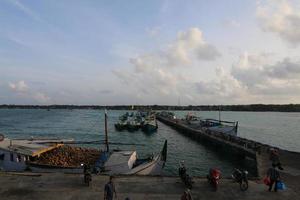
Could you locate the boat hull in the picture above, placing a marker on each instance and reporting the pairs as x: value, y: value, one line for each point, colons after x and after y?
x: 149, y: 128
x: 53, y: 169
x: 120, y: 127
x: 154, y: 167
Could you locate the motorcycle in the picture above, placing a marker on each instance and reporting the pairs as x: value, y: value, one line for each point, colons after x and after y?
x: 241, y: 177
x: 185, y: 178
x: 214, y: 177
x: 87, y: 178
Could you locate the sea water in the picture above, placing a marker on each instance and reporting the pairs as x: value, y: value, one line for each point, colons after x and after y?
x: 274, y: 128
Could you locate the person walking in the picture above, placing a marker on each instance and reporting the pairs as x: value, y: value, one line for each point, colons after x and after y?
x: 274, y: 177
x: 110, y: 190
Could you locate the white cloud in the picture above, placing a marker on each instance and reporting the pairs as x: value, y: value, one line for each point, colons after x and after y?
x: 280, y: 17
x: 24, y: 91
x: 41, y: 97
x: 25, y: 10
x: 159, y: 73
x: 190, y: 45
x: 187, y: 49
x: 253, y: 78
x: 20, y: 86
x: 261, y: 77
x: 223, y: 88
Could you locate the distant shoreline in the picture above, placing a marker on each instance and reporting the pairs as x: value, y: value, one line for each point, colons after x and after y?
x: 250, y: 107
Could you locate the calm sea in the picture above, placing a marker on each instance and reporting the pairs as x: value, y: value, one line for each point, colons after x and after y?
x: 275, y: 128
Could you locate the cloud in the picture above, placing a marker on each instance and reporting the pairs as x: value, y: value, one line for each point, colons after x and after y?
x: 41, y: 97
x: 188, y: 48
x: 159, y: 73
x: 24, y: 91
x: 284, y: 70
x: 223, y: 86
x: 282, y: 18
x: 256, y: 69
x: 188, y: 45
x: 248, y: 68
x: 260, y: 77
x: 253, y: 78
x: 20, y: 86
x: 25, y: 10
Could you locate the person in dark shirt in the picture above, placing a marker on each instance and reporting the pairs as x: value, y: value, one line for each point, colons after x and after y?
x: 274, y: 176
x: 274, y: 157
x: 109, y: 190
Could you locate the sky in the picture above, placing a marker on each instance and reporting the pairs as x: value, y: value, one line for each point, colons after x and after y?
x: 170, y: 52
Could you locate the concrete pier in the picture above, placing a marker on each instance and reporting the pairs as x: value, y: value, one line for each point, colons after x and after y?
x: 71, y: 187
x: 238, y: 146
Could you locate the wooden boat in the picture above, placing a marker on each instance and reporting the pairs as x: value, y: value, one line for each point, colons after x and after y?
x: 127, y: 162
x: 150, y: 124
x: 121, y: 125
x: 221, y: 126
x: 133, y: 125
x: 18, y: 154
x: 215, y: 125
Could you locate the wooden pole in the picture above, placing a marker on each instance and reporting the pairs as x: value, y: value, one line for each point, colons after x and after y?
x: 106, y: 136
x: 220, y: 114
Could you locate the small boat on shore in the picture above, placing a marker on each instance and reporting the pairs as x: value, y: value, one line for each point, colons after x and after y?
x: 43, y: 155
x: 127, y: 162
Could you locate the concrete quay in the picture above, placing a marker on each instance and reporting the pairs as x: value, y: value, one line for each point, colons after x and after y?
x: 52, y: 186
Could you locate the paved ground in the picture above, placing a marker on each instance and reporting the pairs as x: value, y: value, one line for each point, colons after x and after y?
x: 70, y: 187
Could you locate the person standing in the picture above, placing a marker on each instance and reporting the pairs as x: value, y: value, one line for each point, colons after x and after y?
x: 109, y: 190
x: 274, y: 177
x: 186, y: 195
x: 274, y: 157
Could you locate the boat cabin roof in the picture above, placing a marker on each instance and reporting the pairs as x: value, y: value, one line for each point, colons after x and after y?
x: 26, y: 147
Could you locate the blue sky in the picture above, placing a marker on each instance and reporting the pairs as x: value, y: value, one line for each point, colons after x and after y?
x: 149, y: 52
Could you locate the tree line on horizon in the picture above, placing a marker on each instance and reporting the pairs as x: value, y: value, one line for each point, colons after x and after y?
x: 250, y: 107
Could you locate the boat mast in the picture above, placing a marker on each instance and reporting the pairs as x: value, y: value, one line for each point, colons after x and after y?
x: 220, y: 114
x: 106, y: 136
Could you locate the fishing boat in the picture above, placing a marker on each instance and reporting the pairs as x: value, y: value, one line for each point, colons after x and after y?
x: 127, y: 162
x: 226, y: 127
x: 133, y: 125
x: 150, y: 124
x: 214, y: 125
x: 122, y: 123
